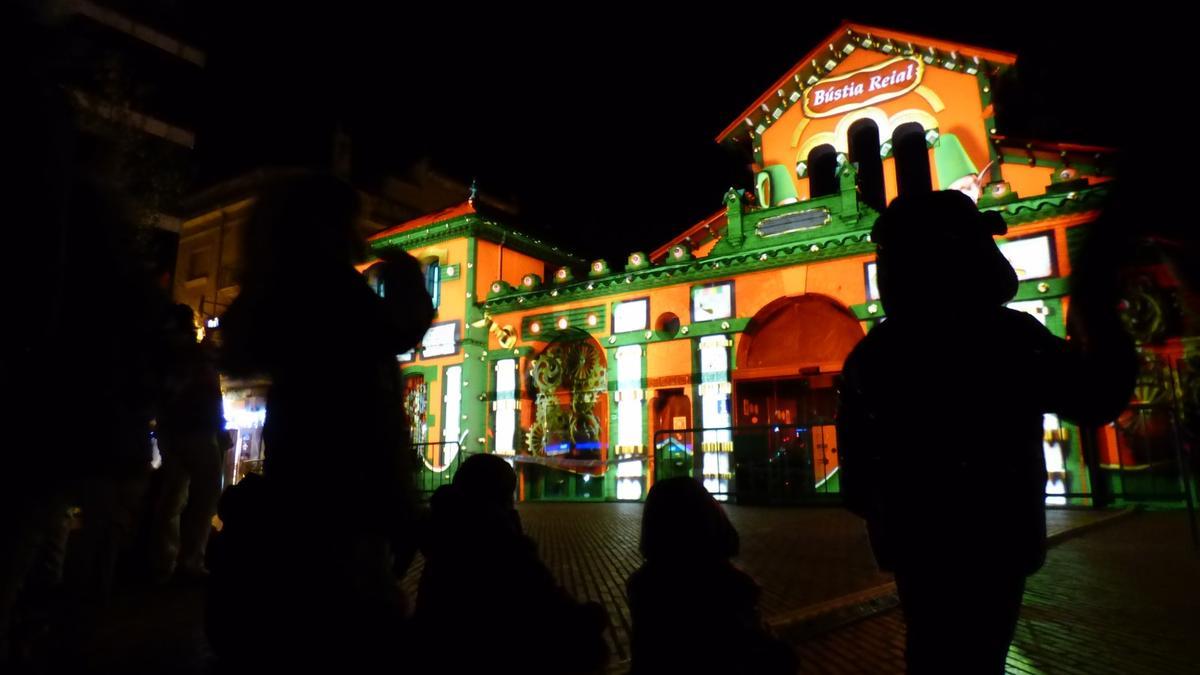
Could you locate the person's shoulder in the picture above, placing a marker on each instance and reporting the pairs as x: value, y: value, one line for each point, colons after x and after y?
x: 873, y: 344
x: 742, y: 584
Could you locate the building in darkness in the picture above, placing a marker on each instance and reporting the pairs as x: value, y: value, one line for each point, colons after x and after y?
x: 133, y: 70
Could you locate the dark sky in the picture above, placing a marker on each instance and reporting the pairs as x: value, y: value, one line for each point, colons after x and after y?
x: 600, y: 125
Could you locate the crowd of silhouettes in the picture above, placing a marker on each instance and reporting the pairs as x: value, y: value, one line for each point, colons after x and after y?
x: 305, y: 570
x: 328, y: 552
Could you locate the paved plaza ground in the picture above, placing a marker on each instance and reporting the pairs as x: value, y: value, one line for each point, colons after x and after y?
x: 1120, y: 597
x: 1119, y: 600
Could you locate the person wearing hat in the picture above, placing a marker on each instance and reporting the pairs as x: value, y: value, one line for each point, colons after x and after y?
x: 940, y: 426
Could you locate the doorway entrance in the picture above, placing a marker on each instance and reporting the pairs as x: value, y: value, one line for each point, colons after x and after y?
x: 785, y: 399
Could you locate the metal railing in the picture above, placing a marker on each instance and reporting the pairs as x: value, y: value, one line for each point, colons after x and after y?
x: 427, y: 479
x: 1161, y: 471
x: 755, y: 464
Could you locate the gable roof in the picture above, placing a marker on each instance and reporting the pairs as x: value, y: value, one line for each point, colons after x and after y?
x: 464, y: 209
x: 711, y: 227
x: 847, y: 38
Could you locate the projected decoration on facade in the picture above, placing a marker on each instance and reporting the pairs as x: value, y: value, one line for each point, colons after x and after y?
x: 416, y: 407
x: 682, y: 359
x: 569, y: 379
x: 712, y: 301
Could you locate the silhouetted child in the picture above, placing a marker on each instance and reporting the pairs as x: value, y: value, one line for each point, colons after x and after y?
x: 693, y: 611
x: 940, y: 426
x: 486, y: 602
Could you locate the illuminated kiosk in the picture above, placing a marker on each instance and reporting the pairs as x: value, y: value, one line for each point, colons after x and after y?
x: 717, y: 354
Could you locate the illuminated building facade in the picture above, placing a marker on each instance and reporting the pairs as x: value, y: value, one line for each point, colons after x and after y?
x: 717, y: 354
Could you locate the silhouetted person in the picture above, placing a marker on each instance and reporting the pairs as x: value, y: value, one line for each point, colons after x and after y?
x: 191, y: 439
x: 693, y: 611
x: 337, y: 475
x: 940, y: 425
x: 484, y: 585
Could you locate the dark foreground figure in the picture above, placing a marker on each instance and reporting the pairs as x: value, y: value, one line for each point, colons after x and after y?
x: 692, y: 610
x: 919, y: 439
x: 486, y: 602
x: 305, y: 569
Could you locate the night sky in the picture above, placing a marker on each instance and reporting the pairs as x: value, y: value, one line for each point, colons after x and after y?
x: 599, y: 126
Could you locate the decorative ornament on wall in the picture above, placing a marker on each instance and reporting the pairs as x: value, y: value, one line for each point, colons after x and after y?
x: 531, y: 282
x: 416, y: 407
x: 598, y: 268
x: 506, y: 335
x: 499, y: 289
x: 570, y: 380
x: 1142, y: 310
x: 564, y: 275
x: 680, y: 253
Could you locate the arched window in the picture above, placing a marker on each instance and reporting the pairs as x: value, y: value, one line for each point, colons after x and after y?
x: 912, y: 159
x: 433, y: 279
x: 822, y: 171
x: 863, y: 138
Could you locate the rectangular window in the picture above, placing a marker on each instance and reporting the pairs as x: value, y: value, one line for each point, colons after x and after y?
x: 433, y: 281
x: 1031, y: 257
x: 452, y: 412
x: 631, y: 315
x: 199, y: 262
x: 629, y: 400
x: 714, y: 390
x: 440, y: 340
x: 712, y: 301
x: 505, y: 406
x: 630, y: 421
x: 629, y: 479
x: 1053, y: 449
x: 871, y: 271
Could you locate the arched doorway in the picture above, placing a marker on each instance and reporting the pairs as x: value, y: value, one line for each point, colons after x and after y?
x: 567, y: 439
x: 785, y: 397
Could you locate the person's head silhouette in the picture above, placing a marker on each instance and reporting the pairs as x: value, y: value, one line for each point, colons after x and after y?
x: 683, y: 521
x: 935, y: 249
x: 486, y: 480
x: 303, y: 224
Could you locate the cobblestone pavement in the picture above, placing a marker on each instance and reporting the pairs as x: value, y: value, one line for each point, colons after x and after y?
x: 1123, y: 599
x: 798, y: 556
x: 801, y: 557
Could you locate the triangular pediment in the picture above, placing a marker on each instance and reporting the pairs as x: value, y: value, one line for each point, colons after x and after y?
x: 830, y: 60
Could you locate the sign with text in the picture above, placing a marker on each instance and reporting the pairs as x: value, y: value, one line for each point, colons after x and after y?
x: 887, y: 80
